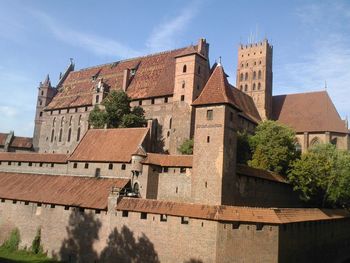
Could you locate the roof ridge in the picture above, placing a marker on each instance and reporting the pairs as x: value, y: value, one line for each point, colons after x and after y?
x: 131, y: 59
x: 302, y: 93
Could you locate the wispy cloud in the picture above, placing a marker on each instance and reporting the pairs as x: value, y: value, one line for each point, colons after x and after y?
x: 93, y: 43
x: 8, y: 111
x: 164, y: 36
x: 328, y: 60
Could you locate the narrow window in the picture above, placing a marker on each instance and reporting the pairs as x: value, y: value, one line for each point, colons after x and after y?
x: 199, y: 70
x: 86, y: 108
x: 170, y: 122
x: 125, y: 213
x: 69, y: 134
x: 245, y: 87
x: 42, y: 93
x: 209, y: 114
x: 78, y: 134
x: 206, y: 184
x: 98, y: 172
x: 79, y: 121
x: 97, y: 98
x: 241, y: 87
x: 70, y: 120
x: 140, y: 102
x: 123, y: 166
x: 143, y: 215
x: 41, y: 164
x: 254, y: 86
x: 52, y: 165
x: 110, y: 166
x: 166, y: 100
x: 86, y: 166
x: 241, y: 77
x: 75, y: 165
x: 53, y: 121
x: 259, y: 86
x: 259, y: 74
x: 176, y: 189
x: 152, y: 101
x: 62, y: 121
x: 41, y: 114
x: 60, y: 136
x: 184, y: 220
x: 254, y: 75
x: 231, y: 116
x: 30, y: 164
x: 76, y: 109
x: 208, y: 139
x: 184, y: 69
x: 182, y: 97
x: 183, y: 84
x: 246, y: 76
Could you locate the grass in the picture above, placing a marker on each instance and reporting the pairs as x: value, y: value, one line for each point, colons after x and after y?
x: 7, y: 256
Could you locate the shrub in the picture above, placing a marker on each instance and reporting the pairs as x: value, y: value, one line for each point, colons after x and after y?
x: 186, y: 147
x: 13, y: 241
x: 36, y: 244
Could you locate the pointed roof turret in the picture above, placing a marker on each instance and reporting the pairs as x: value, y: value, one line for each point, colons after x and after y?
x: 217, y: 90
x: 47, y: 82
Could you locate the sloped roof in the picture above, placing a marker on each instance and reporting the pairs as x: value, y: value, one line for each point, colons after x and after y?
x: 87, y: 192
x: 308, y: 112
x: 17, y: 142
x: 3, y: 137
x: 154, y: 77
x: 169, y: 160
x: 33, y: 157
x: 109, y: 145
x: 231, y: 213
x: 217, y: 90
x: 246, y: 104
x: 253, y: 172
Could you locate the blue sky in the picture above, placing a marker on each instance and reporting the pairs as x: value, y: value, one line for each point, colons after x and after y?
x: 310, y: 38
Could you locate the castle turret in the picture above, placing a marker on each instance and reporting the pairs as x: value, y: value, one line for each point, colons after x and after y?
x: 45, y: 94
x: 191, y: 74
x: 215, y: 141
x: 100, y: 92
x: 254, y: 75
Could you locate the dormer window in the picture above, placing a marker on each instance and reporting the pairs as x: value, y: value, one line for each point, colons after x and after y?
x: 133, y: 71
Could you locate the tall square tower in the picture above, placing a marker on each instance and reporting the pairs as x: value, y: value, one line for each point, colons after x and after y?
x: 254, y: 75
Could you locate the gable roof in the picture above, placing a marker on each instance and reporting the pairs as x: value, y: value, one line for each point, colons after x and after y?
x: 308, y: 112
x: 169, y: 160
x: 231, y: 213
x: 17, y: 142
x: 87, y: 192
x: 217, y: 90
x: 154, y: 77
x: 33, y: 157
x: 109, y: 145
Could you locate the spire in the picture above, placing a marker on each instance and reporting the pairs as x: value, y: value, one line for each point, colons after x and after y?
x: 47, y: 82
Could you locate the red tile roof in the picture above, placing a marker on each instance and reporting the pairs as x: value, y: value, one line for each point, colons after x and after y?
x: 253, y: 172
x: 230, y: 213
x: 169, y: 160
x: 246, y: 104
x: 217, y: 90
x: 33, y: 157
x: 78, y: 191
x: 3, y: 137
x: 154, y: 77
x: 109, y: 145
x: 22, y: 142
x: 308, y: 112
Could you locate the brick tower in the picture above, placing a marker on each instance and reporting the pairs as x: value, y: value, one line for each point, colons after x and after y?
x: 254, y: 75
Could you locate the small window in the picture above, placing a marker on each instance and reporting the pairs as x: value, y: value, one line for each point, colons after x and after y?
x: 52, y: 134
x: 52, y: 206
x: 166, y: 100
x: 78, y: 134
x: 165, y: 169
x: 50, y: 112
x: 241, y: 87
x: 98, y: 172
x: 152, y: 101
x: 245, y: 87
x: 30, y: 164
x: 42, y: 93
x: 254, y: 75
x: 206, y: 184
x: 170, y: 123
x: 182, y: 97
x: 52, y: 165
x: 235, y: 225
x: 184, y: 69
x: 259, y: 227
x: 143, y: 215
x: 123, y: 166
x: 76, y: 109
x: 19, y: 163
x: 41, y: 114
x: 66, y: 207
x: 254, y: 86
x: 9, y: 163
x: 259, y: 74
x: 259, y: 86
x: 69, y: 134
x: 110, y: 166
x: 199, y: 70
x: 125, y: 213
x: 184, y: 220
x: 97, y: 98
x: 26, y: 203
x: 208, y: 139
x: 75, y: 165
x: 97, y: 211
x: 176, y: 189
x: 60, y: 136
x: 209, y: 115
x: 140, y: 102
x: 86, y: 108
x: 241, y: 76
x: 163, y: 218
x: 246, y: 76
x: 182, y: 169
x: 86, y: 166
x: 41, y: 164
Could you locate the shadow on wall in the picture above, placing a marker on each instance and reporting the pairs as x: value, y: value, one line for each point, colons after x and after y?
x: 122, y: 246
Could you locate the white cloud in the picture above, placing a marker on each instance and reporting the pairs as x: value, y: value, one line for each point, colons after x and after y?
x: 8, y: 111
x: 164, y: 35
x: 96, y: 44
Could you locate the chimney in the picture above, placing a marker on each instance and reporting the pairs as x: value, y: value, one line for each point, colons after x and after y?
x: 203, y: 47
x: 126, y: 79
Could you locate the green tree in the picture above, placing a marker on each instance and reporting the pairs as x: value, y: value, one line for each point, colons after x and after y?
x: 273, y: 147
x: 244, y: 153
x: 186, y: 147
x: 117, y: 112
x: 322, y: 176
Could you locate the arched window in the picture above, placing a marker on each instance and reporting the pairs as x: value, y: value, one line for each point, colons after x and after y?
x: 259, y: 86
x: 69, y: 134
x: 254, y: 75
x: 254, y: 86
x: 315, y: 141
x: 78, y: 134
x: 62, y: 121
x: 184, y: 69
x: 241, y: 77
x: 246, y: 76
x: 259, y: 74
x: 136, y: 188
x: 79, y: 121
x: 70, y: 120
x: 60, y: 136
x: 245, y: 87
x: 52, y: 134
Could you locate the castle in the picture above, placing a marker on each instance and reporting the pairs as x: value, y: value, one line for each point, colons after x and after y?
x: 126, y: 195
